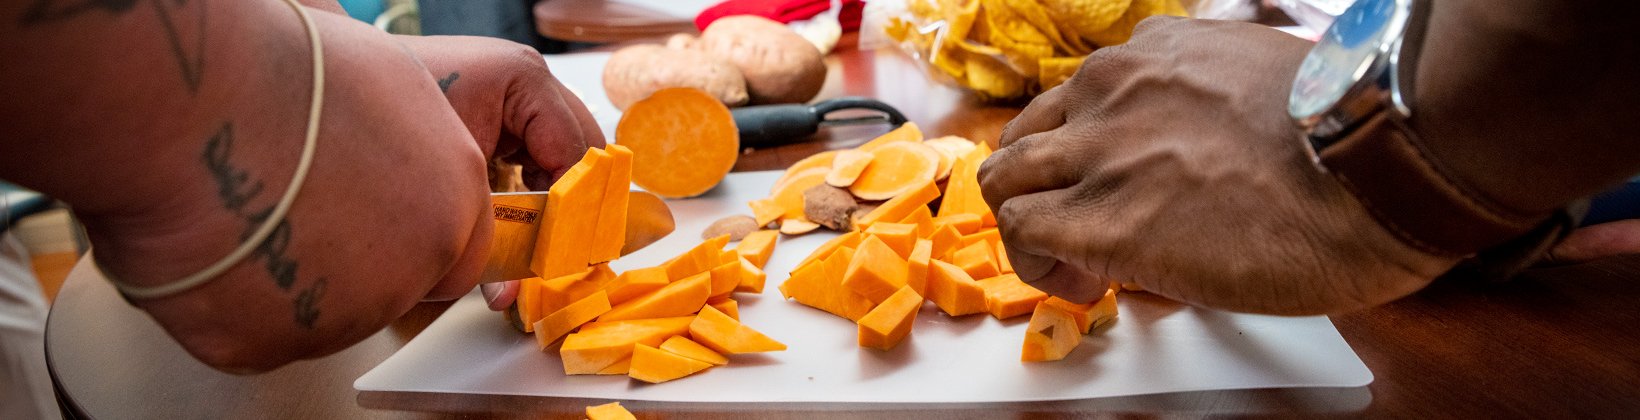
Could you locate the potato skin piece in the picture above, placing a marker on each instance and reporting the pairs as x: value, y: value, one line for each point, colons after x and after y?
x: 635, y: 72
x: 778, y: 64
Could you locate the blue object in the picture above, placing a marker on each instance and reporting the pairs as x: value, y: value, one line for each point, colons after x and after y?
x: 1619, y: 203
x: 364, y: 10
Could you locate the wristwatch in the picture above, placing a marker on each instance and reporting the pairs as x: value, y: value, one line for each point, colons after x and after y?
x: 1353, y: 97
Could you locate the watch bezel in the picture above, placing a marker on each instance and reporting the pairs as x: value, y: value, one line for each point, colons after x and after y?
x: 1376, y: 87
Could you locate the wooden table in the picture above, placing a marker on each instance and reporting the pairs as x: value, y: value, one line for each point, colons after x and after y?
x: 1560, y: 342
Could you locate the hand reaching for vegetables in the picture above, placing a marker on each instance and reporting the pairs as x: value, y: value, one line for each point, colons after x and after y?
x: 1170, y: 161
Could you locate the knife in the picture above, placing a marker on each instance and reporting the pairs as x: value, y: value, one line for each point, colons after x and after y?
x: 518, y: 217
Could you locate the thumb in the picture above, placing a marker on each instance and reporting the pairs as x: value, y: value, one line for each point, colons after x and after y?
x: 1598, y: 241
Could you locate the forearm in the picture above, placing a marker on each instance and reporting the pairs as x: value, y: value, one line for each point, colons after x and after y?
x: 1531, y: 104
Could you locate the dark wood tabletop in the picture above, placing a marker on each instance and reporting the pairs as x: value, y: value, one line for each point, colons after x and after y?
x: 1554, y: 342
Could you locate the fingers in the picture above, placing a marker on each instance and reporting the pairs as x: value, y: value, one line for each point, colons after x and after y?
x: 1070, y: 283
x: 1043, y: 114
x: 1041, y: 229
x: 501, y: 295
x: 1598, y: 241
x: 1040, y: 162
x: 555, y: 127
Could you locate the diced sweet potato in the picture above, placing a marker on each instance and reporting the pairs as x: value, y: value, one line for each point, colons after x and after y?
x: 699, y: 259
x: 725, y: 335
x: 556, y: 293
x: 898, y: 236
x: 847, y: 239
x: 875, y: 271
x: 953, y: 290
x: 685, y: 347
x: 945, y: 240
x: 619, y: 368
x: 1088, y: 315
x: 897, y: 208
x: 611, y: 411
x: 751, y: 277
x: 1007, y: 297
x: 599, y: 345
x: 966, y: 223
x: 653, y: 365
x: 726, y: 277
x: 727, y: 306
x: 1051, y: 335
x: 636, y: 282
x: 556, y: 324
x: 610, y: 235
x: 977, y: 259
x: 917, y: 275
x: 681, y: 297
x: 820, y: 286
x: 562, y: 245
x: 886, y: 325
x: 758, y: 246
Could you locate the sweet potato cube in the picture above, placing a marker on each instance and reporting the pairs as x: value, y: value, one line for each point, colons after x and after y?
x: 685, y: 347
x: 611, y: 411
x: 529, y: 302
x: 923, y: 218
x: 752, y: 277
x: 758, y: 246
x: 636, y: 282
x: 965, y: 223
x: 1051, y: 335
x: 653, y: 365
x: 962, y: 193
x: 897, y: 208
x: 679, y: 298
x: 725, y: 335
x: 820, y: 286
x: 898, y: 236
x: 573, y: 204
x: 847, y: 239
x: 700, y: 259
x: 886, y: 325
x: 917, y: 274
x: 601, y: 344
x: 610, y: 234
x: 1088, y: 315
x: 558, y: 292
x: 619, y: 368
x: 1007, y: 297
x: 953, y: 291
x: 1003, y: 265
x: 766, y: 211
x: 990, y: 235
x: 600, y: 275
x: 725, y: 305
x: 725, y: 277
x: 977, y: 259
x: 875, y: 271
x: 945, y: 239
x: 558, y: 323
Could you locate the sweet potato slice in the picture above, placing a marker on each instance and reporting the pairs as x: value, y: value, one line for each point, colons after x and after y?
x: 636, y: 282
x: 699, y: 259
x: 875, y: 271
x: 820, y: 160
x: 847, y: 167
x: 848, y: 239
x: 820, y: 286
x: 962, y: 193
x: 683, y: 142
x: 558, y: 292
x: 886, y: 325
x: 966, y: 223
x: 685, y: 347
x: 725, y: 278
x: 758, y: 246
x: 899, y: 207
x: 573, y: 204
x: 653, y: 365
x: 619, y: 368
x: 797, y: 226
x: 555, y: 325
x: 765, y: 211
x: 727, y: 306
x: 610, y: 234
x: 752, y: 277
x: 681, y: 297
x: 611, y: 411
x: 1007, y: 297
x: 896, y: 168
x: 725, y: 335
x: 1088, y: 315
x: 953, y: 290
x: 1051, y: 335
x: 529, y: 302
x: 917, y: 274
x: 601, y: 344
x: 790, y: 195
x: 908, y: 132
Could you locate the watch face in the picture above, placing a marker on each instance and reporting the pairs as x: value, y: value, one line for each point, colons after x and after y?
x: 1341, y: 57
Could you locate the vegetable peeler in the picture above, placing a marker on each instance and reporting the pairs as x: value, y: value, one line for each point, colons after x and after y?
x: 775, y: 125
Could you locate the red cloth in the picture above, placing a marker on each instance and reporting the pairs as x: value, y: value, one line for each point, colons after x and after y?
x: 783, y: 11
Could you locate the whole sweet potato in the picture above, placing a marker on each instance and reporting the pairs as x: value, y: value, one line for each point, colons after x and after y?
x: 635, y: 72
x: 779, y: 65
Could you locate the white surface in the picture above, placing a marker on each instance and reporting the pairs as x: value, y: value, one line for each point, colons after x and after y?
x: 1155, y: 346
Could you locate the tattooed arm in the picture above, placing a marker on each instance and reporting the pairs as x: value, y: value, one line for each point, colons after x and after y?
x: 172, y: 127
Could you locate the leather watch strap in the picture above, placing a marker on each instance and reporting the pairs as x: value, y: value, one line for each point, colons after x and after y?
x: 1386, y: 167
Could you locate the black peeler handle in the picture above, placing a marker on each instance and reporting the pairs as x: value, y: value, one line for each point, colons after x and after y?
x: 774, y: 125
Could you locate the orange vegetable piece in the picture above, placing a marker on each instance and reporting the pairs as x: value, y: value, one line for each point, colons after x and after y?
x: 820, y: 286
x: 790, y: 194
x: 897, y: 168
x: 1051, y: 335
x: 647, y: 220
x: 820, y: 160
x: 619, y: 368
x: 989, y: 235
x: 636, y: 282
x: 725, y: 335
x: 685, y: 347
x: 601, y: 275
x: 797, y: 226
x: 962, y: 193
x: 897, y: 208
x: 683, y: 142
x: 681, y: 297
x: 953, y: 290
x: 653, y: 365
x: 875, y: 271
x: 558, y: 292
x: 699, y: 259
x: 766, y: 211
x: 555, y: 325
x: 1007, y: 297
x: 1088, y: 315
x: 571, y: 218
x: 946, y: 240
x: 725, y: 278
x: 727, y: 306
x: 1003, y: 265
x: 977, y: 259
x: 966, y: 223
x: 899, y: 236
x: 610, y: 233
x: 886, y: 325
x: 758, y: 246
x: 529, y: 302
x: 917, y: 275
x: 611, y: 411
x: 908, y: 132
x: 600, y: 344
x: 923, y: 219
x: 847, y: 239
x: 847, y: 167
x: 751, y: 277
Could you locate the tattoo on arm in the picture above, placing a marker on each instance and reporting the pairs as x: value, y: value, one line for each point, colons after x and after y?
x: 236, y: 188
x: 189, y: 53
x: 444, y: 84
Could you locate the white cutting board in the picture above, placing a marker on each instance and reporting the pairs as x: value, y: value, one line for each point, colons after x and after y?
x: 1155, y: 346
